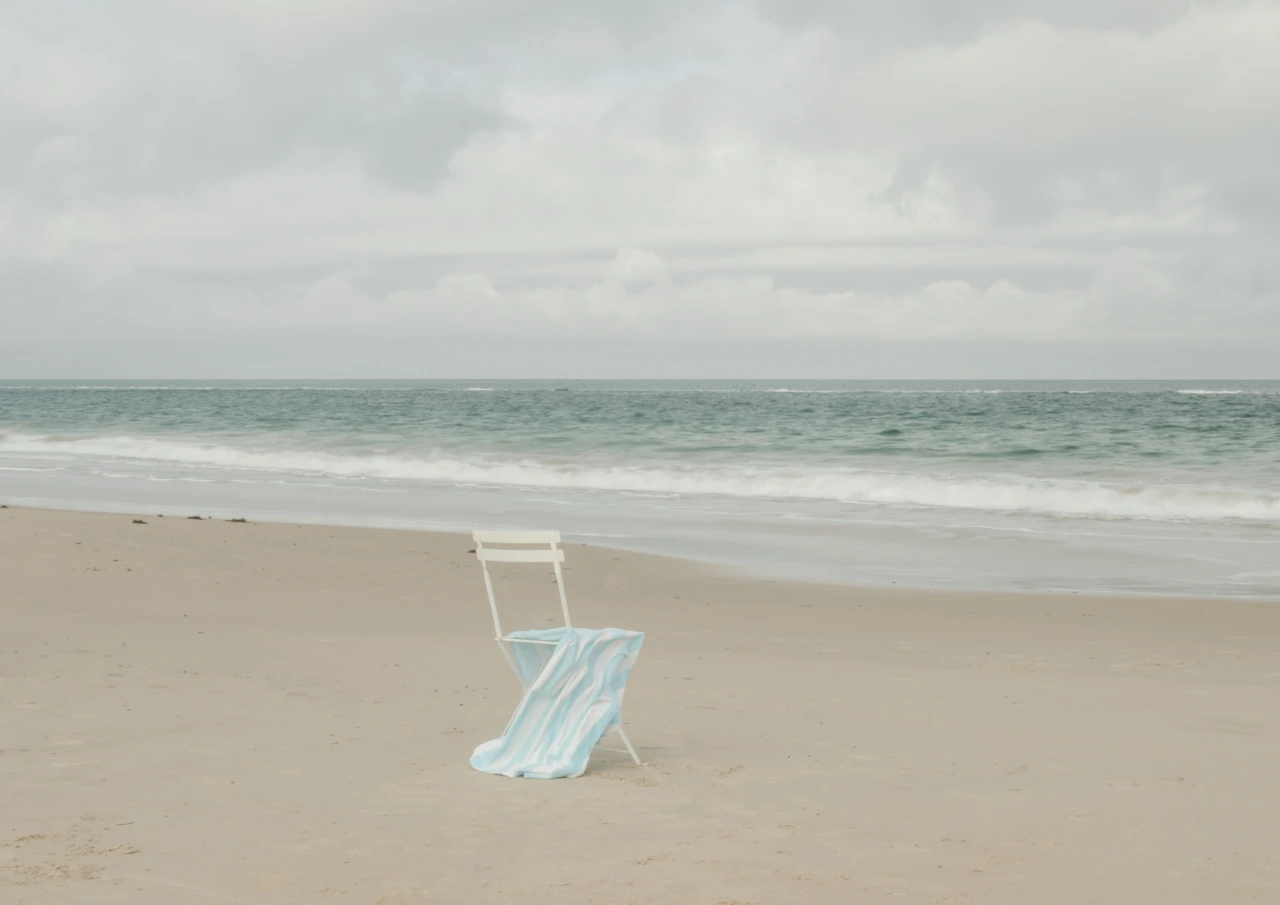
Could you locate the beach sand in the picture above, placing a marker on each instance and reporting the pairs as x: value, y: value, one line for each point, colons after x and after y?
x: 200, y: 711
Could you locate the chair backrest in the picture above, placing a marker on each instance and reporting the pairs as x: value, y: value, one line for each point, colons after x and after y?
x: 519, y: 546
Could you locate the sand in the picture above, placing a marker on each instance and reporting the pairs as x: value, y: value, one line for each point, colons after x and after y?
x: 200, y: 711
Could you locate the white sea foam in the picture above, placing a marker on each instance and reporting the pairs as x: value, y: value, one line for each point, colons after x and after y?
x: 1002, y: 493
x: 362, y: 388
x: 893, y: 391
x: 1194, y: 392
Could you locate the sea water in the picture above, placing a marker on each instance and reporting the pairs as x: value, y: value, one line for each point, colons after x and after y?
x: 1167, y: 487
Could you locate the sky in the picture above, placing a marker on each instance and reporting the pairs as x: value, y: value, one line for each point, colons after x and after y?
x: 593, y: 188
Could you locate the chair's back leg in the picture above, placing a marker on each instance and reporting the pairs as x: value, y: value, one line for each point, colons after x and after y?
x: 564, y: 601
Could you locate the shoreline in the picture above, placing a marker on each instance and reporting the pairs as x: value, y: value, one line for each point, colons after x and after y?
x: 725, y: 567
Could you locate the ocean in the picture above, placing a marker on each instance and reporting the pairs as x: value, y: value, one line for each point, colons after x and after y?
x: 1124, y: 487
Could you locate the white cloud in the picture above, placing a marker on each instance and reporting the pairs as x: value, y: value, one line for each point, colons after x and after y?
x: 636, y: 267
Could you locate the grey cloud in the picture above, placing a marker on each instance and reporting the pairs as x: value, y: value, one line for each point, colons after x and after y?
x: 190, y: 93
x: 405, y: 134
x: 909, y: 22
x: 1031, y: 119
x: 189, y: 112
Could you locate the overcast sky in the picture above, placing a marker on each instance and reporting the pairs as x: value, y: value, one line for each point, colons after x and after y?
x: 851, y: 188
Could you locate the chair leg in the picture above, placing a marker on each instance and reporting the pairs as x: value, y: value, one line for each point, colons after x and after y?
x: 630, y: 750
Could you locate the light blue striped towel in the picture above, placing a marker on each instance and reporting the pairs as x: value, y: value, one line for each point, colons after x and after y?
x: 573, y: 696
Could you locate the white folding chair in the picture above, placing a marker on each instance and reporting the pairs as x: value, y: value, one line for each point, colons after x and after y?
x: 546, y: 549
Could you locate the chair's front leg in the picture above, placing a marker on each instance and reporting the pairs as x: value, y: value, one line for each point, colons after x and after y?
x: 630, y: 749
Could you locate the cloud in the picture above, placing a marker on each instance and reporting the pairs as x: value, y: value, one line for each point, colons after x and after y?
x: 1133, y: 295
x: 808, y: 169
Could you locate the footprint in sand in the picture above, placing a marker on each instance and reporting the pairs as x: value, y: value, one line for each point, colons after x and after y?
x: 726, y: 773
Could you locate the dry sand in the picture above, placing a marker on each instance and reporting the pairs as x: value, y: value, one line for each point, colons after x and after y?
x: 198, y: 711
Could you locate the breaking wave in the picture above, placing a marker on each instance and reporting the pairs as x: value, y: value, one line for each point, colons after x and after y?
x: 995, y: 492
